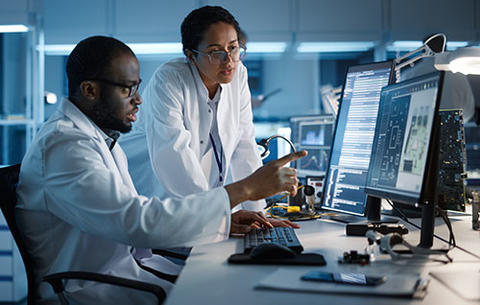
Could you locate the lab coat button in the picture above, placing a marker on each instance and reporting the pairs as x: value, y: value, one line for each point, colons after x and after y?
x: 209, y: 110
x: 201, y: 141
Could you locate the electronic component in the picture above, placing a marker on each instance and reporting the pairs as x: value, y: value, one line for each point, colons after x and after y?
x: 309, y: 192
x: 476, y: 210
x: 317, y: 183
x: 280, y: 210
x: 353, y: 257
x: 359, y: 229
x: 451, y: 165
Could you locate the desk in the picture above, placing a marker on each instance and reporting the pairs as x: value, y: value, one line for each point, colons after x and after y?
x: 209, y: 279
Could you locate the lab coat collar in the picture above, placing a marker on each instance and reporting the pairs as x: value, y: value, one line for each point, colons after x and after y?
x: 82, y: 121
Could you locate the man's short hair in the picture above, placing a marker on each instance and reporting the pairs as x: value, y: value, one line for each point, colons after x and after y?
x: 198, y: 21
x: 90, y: 58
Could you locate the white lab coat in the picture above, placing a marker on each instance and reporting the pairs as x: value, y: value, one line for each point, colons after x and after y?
x: 79, y: 211
x: 173, y: 129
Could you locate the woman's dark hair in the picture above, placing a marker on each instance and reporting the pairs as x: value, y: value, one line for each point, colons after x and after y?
x: 90, y: 59
x: 198, y: 21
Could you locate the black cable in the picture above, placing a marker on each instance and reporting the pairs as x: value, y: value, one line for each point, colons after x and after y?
x: 445, y: 218
x: 405, y: 218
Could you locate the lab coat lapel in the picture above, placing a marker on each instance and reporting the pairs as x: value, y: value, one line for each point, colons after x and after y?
x: 121, y: 161
x: 115, y: 159
x: 227, y: 130
x: 204, y: 121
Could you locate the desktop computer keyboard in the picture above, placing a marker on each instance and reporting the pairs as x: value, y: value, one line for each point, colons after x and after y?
x: 278, y: 235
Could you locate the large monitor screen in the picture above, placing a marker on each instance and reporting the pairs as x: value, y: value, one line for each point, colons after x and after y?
x: 313, y: 133
x: 352, y: 142
x: 402, y: 139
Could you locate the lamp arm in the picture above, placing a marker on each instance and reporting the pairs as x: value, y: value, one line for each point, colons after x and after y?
x: 280, y: 136
x: 426, y: 50
x: 411, y: 61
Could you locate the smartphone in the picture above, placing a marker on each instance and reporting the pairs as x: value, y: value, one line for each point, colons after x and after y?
x: 344, y: 278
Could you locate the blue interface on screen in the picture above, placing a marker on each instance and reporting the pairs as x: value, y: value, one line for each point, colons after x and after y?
x: 354, y: 133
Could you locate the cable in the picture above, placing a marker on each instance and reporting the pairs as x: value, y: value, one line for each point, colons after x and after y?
x: 264, y: 143
x: 449, y: 225
x: 405, y: 218
x: 454, y: 245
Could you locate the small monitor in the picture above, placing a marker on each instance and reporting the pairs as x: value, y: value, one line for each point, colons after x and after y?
x: 353, y: 138
x: 404, y: 163
x: 312, y: 133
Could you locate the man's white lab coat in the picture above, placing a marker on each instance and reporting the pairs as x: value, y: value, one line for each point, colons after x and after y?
x: 79, y: 211
x: 173, y: 129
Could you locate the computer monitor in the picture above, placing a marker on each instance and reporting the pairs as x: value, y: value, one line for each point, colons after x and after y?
x: 353, y: 138
x: 404, y: 163
x: 312, y: 133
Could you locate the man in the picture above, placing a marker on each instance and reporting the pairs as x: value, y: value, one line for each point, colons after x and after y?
x: 78, y: 208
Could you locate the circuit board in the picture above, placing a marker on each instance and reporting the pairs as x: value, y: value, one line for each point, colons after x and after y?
x: 452, y: 159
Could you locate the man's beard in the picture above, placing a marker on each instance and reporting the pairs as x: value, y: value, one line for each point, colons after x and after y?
x: 104, y: 115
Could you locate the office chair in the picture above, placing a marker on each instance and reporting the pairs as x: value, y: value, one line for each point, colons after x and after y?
x: 8, y: 200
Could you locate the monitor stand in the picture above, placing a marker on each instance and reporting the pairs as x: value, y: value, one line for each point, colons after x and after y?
x: 372, y: 214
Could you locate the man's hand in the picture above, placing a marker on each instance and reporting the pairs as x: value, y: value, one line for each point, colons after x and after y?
x: 266, y: 181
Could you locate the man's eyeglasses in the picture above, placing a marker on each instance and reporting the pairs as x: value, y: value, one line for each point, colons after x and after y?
x: 132, y: 89
x: 219, y: 57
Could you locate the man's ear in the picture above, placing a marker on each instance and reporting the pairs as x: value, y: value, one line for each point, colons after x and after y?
x: 89, y: 90
x: 190, y: 56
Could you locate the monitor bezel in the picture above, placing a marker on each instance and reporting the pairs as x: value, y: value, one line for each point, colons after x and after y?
x: 425, y: 197
x: 354, y: 68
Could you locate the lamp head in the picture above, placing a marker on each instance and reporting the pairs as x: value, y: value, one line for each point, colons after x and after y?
x: 264, y: 144
x: 463, y: 60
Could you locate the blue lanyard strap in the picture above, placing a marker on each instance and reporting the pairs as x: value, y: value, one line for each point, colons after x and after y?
x: 218, y: 158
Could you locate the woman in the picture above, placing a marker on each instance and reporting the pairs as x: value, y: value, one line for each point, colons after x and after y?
x: 196, y: 117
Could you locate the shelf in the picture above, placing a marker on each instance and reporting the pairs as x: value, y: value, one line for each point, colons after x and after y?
x: 16, y: 122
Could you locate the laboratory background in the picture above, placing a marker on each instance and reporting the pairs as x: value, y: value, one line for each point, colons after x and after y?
x: 298, y: 52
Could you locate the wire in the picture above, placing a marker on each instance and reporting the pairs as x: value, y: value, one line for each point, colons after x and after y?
x: 447, y: 222
x: 288, y: 194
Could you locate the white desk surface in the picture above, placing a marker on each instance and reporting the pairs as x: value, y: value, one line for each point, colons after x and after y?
x: 208, y: 279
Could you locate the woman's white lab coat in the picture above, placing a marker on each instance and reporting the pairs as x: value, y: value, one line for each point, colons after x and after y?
x: 79, y: 211
x: 173, y: 129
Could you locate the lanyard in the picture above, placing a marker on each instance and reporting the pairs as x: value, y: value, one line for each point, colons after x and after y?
x: 218, y: 158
